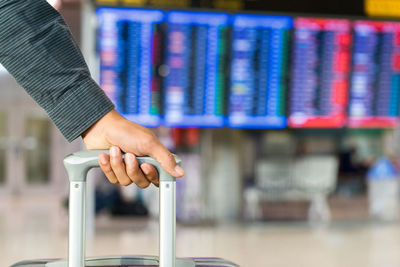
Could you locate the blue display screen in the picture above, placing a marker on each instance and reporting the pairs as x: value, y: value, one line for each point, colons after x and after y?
x: 213, y: 69
x: 130, y: 48
x: 196, y: 64
x: 375, y: 83
x: 259, y: 56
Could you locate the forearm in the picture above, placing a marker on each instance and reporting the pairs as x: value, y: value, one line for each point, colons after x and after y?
x: 37, y: 48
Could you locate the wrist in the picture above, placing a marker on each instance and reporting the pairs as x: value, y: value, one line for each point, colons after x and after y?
x: 95, y: 137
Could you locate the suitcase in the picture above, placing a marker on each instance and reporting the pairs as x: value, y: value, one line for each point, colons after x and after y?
x: 77, y: 165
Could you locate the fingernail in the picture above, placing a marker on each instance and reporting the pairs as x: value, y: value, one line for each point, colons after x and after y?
x: 114, y: 151
x: 179, y: 170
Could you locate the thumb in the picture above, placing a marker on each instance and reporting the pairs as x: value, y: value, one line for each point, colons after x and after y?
x: 167, y: 160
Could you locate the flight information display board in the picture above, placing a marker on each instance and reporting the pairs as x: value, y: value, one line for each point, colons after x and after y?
x: 259, y: 56
x: 320, y: 73
x: 196, y: 60
x: 130, y: 48
x: 375, y: 83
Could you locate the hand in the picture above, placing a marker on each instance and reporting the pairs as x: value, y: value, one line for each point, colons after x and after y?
x: 116, y: 133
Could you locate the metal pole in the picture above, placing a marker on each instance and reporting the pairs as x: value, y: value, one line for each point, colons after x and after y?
x: 77, y: 236
x: 167, y: 223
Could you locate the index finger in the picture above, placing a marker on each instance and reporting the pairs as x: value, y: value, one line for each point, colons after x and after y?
x: 167, y: 160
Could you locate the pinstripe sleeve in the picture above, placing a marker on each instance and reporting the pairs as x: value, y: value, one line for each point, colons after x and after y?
x: 37, y: 48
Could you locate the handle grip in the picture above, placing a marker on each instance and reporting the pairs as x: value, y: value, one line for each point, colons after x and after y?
x: 79, y: 163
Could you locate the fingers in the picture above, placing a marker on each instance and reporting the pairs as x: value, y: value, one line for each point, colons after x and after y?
x: 127, y: 171
x: 151, y: 173
x: 118, y: 166
x: 104, y: 162
x: 166, y: 159
x: 133, y: 171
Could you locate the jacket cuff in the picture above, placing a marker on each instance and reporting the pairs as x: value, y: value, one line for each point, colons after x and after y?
x: 79, y: 108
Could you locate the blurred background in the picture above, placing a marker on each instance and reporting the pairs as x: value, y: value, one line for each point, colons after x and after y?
x: 285, y: 113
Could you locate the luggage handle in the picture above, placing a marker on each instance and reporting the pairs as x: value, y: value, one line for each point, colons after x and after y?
x: 77, y: 165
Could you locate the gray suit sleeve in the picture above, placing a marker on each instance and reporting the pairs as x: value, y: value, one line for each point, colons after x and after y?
x: 37, y: 48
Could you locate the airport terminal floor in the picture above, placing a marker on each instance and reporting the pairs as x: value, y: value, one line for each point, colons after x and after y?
x: 36, y: 228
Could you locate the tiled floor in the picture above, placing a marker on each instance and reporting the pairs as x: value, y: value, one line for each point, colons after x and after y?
x: 37, y: 228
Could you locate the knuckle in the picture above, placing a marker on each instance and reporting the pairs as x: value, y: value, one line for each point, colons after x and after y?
x: 131, y: 173
x: 125, y: 182
x: 113, y: 161
x: 113, y: 181
x: 148, y: 141
x: 106, y: 168
x: 130, y: 162
x: 143, y: 184
x: 116, y: 164
x: 137, y: 178
x: 153, y: 177
x: 171, y: 158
